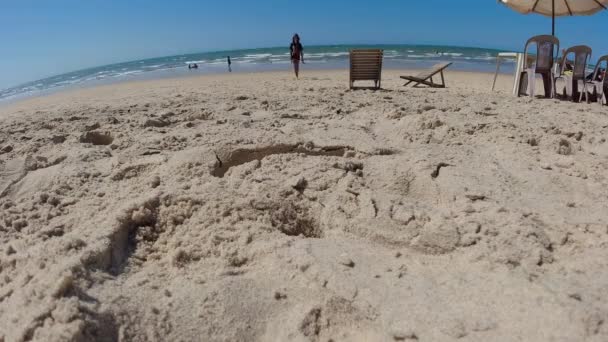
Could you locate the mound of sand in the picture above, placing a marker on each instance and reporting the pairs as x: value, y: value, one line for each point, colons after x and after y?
x: 256, y: 208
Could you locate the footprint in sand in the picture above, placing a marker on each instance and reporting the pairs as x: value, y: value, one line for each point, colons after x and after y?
x: 96, y: 138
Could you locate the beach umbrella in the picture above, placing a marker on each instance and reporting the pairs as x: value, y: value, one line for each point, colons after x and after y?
x: 557, y: 8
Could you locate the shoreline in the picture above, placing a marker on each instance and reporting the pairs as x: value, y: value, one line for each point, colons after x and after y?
x: 403, y: 57
x: 91, y: 88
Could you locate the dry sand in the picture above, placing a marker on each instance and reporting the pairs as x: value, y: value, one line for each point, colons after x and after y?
x: 258, y: 208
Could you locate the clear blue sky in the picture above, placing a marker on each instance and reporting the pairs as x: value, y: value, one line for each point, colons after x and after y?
x: 40, y: 38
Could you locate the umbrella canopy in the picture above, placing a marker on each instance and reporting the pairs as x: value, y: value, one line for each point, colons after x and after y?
x: 557, y: 8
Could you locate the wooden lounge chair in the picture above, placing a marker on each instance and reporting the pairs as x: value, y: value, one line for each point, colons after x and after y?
x: 426, y: 77
x: 366, y: 65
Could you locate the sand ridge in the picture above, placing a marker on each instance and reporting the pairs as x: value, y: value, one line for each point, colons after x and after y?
x: 258, y: 208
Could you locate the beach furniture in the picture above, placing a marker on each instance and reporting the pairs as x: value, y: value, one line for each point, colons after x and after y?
x: 366, y: 65
x: 598, y: 83
x: 499, y: 58
x: 547, y: 48
x: 519, y: 65
x: 577, y: 76
x: 426, y: 77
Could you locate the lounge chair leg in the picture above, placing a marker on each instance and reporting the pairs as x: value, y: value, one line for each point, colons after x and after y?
x: 523, y: 83
x: 582, y: 92
x: 442, y: 80
x: 495, y: 74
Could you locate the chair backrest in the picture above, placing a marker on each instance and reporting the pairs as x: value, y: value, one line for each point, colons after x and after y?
x: 582, y: 55
x: 598, y: 68
x: 547, y: 48
x: 435, y: 69
x: 366, y: 64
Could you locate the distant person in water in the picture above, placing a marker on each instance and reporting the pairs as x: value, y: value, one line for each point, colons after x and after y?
x: 297, y: 54
x: 193, y: 66
x: 229, y: 64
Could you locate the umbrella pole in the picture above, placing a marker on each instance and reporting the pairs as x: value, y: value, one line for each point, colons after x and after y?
x: 553, y: 18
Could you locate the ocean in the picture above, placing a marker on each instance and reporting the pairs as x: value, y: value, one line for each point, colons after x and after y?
x: 263, y: 59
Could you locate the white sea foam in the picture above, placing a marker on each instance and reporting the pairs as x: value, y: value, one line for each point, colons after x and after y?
x: 326, y: 54
x: 133, y: 72
x: 64, y: 83
x: 480, y: 58
x: 282, y: 55
x: 258, y: 56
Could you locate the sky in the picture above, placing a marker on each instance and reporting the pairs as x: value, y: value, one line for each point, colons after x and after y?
x: 41, y: 38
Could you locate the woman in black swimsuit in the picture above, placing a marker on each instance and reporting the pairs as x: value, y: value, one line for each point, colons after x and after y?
x: 297, y: 53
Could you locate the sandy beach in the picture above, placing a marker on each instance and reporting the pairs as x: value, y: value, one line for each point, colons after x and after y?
x: 254, y: 207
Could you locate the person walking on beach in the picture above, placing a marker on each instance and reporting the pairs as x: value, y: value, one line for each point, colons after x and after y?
x: 229, y: 64
x: 297, y: 54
